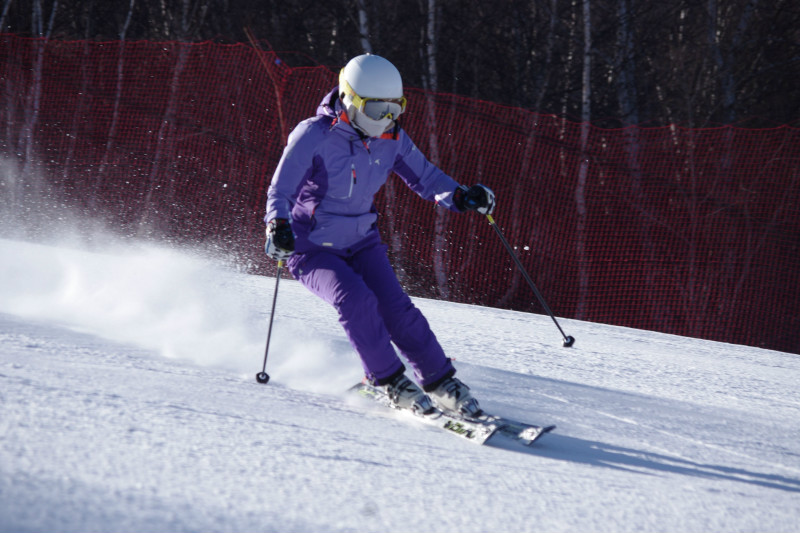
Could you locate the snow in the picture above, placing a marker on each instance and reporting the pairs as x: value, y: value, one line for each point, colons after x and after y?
x: 128, y: 403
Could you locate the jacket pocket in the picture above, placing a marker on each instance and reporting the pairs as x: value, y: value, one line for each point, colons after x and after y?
x: 342, y: 179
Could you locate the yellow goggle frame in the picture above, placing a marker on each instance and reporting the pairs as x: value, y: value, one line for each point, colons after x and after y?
x: 360, y: 102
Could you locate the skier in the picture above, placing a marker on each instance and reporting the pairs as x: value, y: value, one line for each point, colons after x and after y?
x: 322, y: 221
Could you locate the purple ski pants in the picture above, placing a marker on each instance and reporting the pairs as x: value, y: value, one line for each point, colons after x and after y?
x: 374, y: 311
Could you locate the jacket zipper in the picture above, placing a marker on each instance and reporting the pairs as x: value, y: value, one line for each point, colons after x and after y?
x: 352, y: 179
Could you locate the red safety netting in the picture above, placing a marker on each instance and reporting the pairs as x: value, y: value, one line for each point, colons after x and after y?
x: 688, y: 231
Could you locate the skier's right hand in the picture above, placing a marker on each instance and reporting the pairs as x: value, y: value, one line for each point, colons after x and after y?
x: 478, y: 198
x: 280, y: 239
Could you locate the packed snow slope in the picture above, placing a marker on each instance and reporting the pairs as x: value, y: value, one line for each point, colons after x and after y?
x: 128, y: 403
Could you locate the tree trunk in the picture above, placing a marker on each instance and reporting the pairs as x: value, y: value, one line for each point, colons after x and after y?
x: 629, y: 111
x: 6, y: 6
x: 112, y: 130
x: 583, y: 168
x: 81, y: 106
x: 363, y: 27
x: 26, y: 140
x: 548, y: 55
x: 431, y: 84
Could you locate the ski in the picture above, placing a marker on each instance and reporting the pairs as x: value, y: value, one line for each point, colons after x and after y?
x: 471, y: 430
x: 475, y: 429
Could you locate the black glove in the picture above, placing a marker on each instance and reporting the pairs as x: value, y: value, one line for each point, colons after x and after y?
x: 478, y: 198
x: 280, y: 239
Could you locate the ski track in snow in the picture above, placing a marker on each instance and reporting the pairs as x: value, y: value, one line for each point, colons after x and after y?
x: 128, y: 403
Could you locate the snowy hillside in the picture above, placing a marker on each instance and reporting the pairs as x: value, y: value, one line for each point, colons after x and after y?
x: 128, y: 403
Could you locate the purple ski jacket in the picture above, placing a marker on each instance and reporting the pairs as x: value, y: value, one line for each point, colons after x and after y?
x: 328, y: 176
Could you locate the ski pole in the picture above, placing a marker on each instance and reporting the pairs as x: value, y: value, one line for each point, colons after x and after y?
x: 569, y: 340
x: 263, y: 377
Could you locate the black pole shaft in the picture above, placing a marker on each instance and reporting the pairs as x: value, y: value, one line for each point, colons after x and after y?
x: 568, y: 339
x: 263, y: 377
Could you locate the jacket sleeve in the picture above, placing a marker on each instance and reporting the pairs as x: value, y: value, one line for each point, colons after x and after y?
x: 422, y: 176
x: 294, y: 168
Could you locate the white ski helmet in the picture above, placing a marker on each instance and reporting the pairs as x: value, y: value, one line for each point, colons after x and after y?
x: 371, y: 90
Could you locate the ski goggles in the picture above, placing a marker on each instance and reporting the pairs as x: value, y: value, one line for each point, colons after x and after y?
x: 376, y: 108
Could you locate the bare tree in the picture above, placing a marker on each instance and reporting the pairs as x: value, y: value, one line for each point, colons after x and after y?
x: 41, y: 28
x: 431, y: 83
x: 549, y: 51
x: 112, y: 130
x: 191, y: 13
x: 6, y: 6
x: 363, y: 27
x: 83, y: 96
x: 583, y: 165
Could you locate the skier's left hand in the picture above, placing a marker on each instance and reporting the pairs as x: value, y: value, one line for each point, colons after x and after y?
x: 478, y: 198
